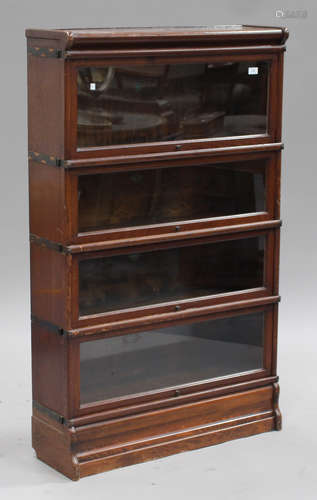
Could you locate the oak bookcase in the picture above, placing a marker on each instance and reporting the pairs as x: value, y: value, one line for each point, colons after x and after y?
x: 154, y: 181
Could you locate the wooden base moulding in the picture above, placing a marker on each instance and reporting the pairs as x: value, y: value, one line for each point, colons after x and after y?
x: 79, y: 451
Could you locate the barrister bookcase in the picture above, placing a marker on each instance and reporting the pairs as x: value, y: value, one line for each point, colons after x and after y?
x: 154, y: 181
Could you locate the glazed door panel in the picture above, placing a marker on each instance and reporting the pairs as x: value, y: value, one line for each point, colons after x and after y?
x: 154, y: 277
x: 172, y: 194
x: 128, y: 106
x: 171, y: 356
x: 167, y: 102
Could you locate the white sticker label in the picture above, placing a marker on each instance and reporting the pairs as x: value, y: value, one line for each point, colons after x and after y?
x: 253, y: 70
x: 93, y: 86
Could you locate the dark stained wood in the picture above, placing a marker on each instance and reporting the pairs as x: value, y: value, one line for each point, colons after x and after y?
x: 167, y: 399
x: 193, y: 310
x: 182, y: 52
x: 46, y: 105
x: 49, y: 369
x: 183, y: 442
x: 279, y: 102
x: 274, y: 340
x: 50, y: 285
x: 222, y: 35
x: 52, y: 443
x: 73, y: 378
x: 178, y: 157
x: 79, y: 436
x: 78, y: 451
x: 201, y: 233
x: 166, y: 420
x: 48, y: 216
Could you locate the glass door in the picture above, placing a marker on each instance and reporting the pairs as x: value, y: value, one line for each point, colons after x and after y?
x: 126, y: 281
x: 173, y: 356
x: 130, y: 104
x: 169, y: 195
x: 122, y: 107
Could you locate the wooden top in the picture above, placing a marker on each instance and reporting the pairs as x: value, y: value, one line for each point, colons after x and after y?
x: 83, y: 38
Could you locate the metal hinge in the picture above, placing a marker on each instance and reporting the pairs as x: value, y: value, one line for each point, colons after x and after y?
x: 53, y: 245
x: 50, y: 326
x: 46, y: 52
x: 50, y: 413
x: 46, y: 159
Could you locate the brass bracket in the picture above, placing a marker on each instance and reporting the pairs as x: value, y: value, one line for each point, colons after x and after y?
x: 46, y: 159
x: 49, y: 326
x: 46, y: 52
x: 53, y: 245
x: 50, y: 413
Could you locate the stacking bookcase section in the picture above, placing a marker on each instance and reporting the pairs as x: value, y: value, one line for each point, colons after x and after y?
x: 93, y: 287
x: 154, y: 181
x: 149, y: 388
x: 132, y: 96
x: 141, y: 361
x: 187, y: 94
x: 154, y: 200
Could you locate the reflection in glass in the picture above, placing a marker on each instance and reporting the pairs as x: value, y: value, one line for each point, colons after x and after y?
x: 132, y: 280
x: 170, y: 102
x: 172, y: 356
x: 133, y: 198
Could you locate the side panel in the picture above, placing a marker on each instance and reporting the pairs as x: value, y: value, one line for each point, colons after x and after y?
x: 50, y: 293
x: 45, y: 104
x: 52, y: 444
x: 49, y: 369
x: 47, y: 195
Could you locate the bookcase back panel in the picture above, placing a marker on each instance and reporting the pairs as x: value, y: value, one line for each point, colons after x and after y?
x: 171, y: 194
x: 171, y: 356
